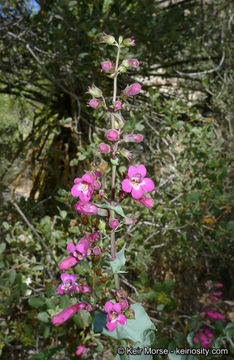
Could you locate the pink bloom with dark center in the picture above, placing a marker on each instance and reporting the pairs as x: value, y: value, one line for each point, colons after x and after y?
x: 65, y: 314
x: 112, y: 135
x: 95, y: 103
x: 86, y: 208
x: 147, y: 202
x: 104, y: 148
x: 83, y: 187
x: 69, y: 284
x: 137, y: 183
x: 132, y: 90
x: 80, y: 349
x: 114, y: 315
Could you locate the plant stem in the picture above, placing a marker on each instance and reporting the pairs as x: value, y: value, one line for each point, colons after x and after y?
x: 113, y: 177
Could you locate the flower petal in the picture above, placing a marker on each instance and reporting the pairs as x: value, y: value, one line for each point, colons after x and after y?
x: 75, y: 190
x: 132, y: 170
x: 71, y: 247
x: 65, y: 277
x: 111, y: 325
x: 60, y: 289
x: 126, y: 185
x: 117, y: 307
x: 108, y: 306
x: 122, y: 319
x: 147, y: 184
x: 137, y: 193
x: 141, y: 170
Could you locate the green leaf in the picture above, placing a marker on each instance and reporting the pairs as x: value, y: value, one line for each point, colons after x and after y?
x: 118, y: 209
x: 43, y: 316
x: 12, y: 275
x: 190, y: 338
x: 119, y: 261
x: 36, y: 302
x: 138, y: 330
x: 47, y: 354
x: 2, y: 247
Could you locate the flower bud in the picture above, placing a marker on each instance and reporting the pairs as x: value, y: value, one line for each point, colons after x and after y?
x: 108, y: 66
x: 124, y: 304
x: 113, y: 223
x: 89, y: 307
x: 129, y: 221
x: 147, y: 202
x: 126, y: 153
x: 84, y: 289
x: 96, y: 251
x: 117, y: 105
x: 95, y: 103
x: 112, y: 135
x: 130, y: 314
x: 68, y: 263
x: 108, y: 39
x: 133, y: 138
x: 104, y: 148
x: 119, y: 120
x: 97, y: 185
x: 65, y: 314
x: 129, y: 42
x: 132, y: 90
x: 134, y: 63
x: 86, y: 208
x: 94, y: 91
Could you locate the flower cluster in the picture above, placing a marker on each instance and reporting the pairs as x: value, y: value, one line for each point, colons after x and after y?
x: 205, y: 335
x: 134, y: 184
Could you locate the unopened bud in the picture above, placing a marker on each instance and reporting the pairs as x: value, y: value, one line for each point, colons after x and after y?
x: 117, y: 105
x: 129, y: 42
x: 107, y: 66
x: 112, y: 135
x: 133, y: 138
x: 95, y: 103
x: 113, y: 223
x: 104, y: 148
x: 132, y: 90
x: 94, y: 91
x: 108, y: 39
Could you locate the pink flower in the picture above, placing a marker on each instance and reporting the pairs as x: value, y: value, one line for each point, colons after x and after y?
x: 137, y: 183
x: 107, y: 66
x: 86, y: 208
x: 214, y: 298
x: 133, y: 138
x: 124, y: 304
x: 147, y: 202
x: 132, y: 90
x: 112, y: 135
x: 80, y: 349
x: 129, y: 220
x: 214, y: 315
x: 104, y: 148
x: 94, y: 91
x: 113, y: 223
x: 129, y: 42
x: 207, y: 332
x: 65, y: 314
x: 108, y: 39
x: 95, y: 103
x: 81, y: 250
x: 217, y: 293
x: 117, y: 105
x: 69, y: 284
x: 83, y: 187
x: 218, y: 285
x: 114, y: 315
